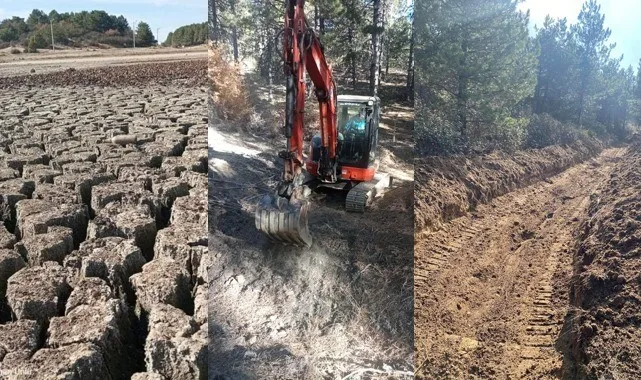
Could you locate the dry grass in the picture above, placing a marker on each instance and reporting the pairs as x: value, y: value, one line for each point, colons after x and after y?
x: 230, y: 95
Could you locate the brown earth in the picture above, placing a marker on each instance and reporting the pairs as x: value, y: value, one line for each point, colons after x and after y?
x: 340, y: 308
x: 103, y: 242
x: 448, y: 187
x: 192, y: 73
x: 604, y: 320
x: 492, y: 286
x: 47, y: 61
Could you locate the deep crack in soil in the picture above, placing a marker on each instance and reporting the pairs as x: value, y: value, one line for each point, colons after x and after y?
x: 492, y: 287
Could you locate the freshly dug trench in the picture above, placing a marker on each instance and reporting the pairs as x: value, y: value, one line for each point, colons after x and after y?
x: 448, y: 187
x: 605, y: 339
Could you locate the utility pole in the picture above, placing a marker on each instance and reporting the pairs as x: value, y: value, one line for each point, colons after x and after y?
x: 134, y: 31
x: 157, y: 37
x: 52, y: 41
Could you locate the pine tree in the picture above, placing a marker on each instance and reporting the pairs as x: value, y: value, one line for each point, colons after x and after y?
x: 475, y: 64
x: 593, y: 54
x: 144, y: 37
x: 555, y: 71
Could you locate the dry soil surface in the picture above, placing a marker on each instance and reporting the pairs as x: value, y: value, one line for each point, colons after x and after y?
x: 493, y: 286
x: 603, y: 323
x: 48, y: 61
x: 103, y: 245
x: 342, y: 307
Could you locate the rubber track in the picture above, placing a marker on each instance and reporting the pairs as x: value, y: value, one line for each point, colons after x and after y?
x: 358, y: 197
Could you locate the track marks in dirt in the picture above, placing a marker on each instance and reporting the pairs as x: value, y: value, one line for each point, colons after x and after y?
x: 443, y: 246
x: 492, y: 286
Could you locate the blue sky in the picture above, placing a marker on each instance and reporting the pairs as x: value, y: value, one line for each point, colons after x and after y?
x: 621, y: 16
x: 164, y: 14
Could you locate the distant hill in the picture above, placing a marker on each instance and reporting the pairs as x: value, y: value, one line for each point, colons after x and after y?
x: 188, y: 35
x: 86, y: 28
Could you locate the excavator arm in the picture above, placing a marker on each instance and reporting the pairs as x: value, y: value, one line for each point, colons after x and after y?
x: 283, y: 216
x: 303, y: 53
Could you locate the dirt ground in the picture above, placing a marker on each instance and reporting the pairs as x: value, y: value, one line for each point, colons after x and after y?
x: 52, y: 61
x: 340, y: 308
x: 603, y: 323
x: 493, y: 285
x: 103, y: 245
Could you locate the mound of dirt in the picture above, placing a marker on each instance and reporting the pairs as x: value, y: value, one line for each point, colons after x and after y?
x: 447, y: 187
x: 605, y: 338
x: 159, y: 73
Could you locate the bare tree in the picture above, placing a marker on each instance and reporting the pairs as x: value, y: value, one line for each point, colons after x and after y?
x: 214, y: 27
x: 410, y: 66
x: 376, y: 58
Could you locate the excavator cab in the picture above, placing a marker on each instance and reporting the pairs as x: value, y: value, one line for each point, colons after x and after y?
x: 358, y: 118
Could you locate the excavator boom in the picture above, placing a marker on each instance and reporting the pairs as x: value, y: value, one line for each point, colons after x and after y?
x: 283, y: 216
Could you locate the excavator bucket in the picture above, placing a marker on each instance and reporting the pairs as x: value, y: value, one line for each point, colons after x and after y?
x: 283, y: 220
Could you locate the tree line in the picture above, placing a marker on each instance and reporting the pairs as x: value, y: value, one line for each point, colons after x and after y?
x: 364, y: 40
x: 484, y: 82
x: 188, y: 35
x: 73, y: 29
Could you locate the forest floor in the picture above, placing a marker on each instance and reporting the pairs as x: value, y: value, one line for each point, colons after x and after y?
x: 47, y: 61
x: 512, y: 289
x: 342, y: 307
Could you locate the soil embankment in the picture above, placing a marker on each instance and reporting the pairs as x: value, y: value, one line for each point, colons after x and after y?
x: 603, y: 325
x: 448, y: 187
x: 493, y: 274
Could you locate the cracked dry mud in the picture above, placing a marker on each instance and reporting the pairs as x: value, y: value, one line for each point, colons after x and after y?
x: 493, y: 286
x: 103, y: 246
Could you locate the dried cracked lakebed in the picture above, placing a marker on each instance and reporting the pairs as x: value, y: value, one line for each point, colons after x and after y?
x: 103, y: 246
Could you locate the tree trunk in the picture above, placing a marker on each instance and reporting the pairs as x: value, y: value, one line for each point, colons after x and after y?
x: 315, y: 15
x: 270, y: 70
x: 383, y: 40
x: 352, y: 63
x: 410, y: 67
x: 387, y: 49
x: 538, y: 92
x: 582, y: 91
x: 214, y: 28
x: 375, y: 63
x: 234, y: 31
x: 461, y: 101
x: 234, y: 39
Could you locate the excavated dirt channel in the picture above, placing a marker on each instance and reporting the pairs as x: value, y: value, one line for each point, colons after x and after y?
x: 604, y: 339
x: 492, y: 286
x: 103, y: 246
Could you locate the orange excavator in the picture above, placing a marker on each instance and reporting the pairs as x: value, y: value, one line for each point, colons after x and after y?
x: 342, y: 156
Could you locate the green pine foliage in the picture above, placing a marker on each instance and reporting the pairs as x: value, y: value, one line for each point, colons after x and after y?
x: 484, y: 83
x: 70, y: 29
x: 144, y: 36
x: 188, y: 35
x: 252, y: 29
x: 475, y: 66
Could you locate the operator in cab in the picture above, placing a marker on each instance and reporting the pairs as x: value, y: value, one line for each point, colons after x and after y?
x: 356, y: 124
